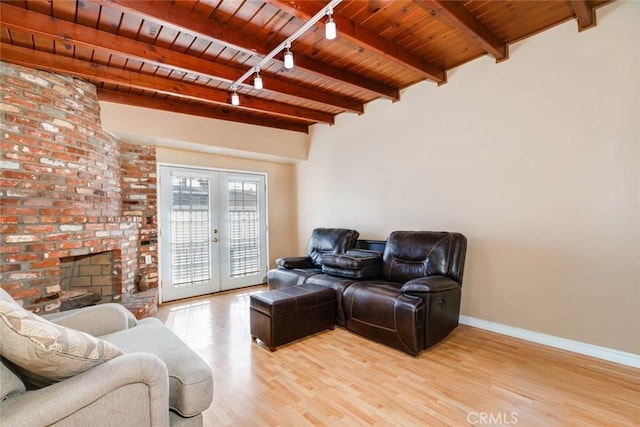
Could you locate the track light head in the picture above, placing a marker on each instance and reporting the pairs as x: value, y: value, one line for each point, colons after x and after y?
x: 257, y: 80
x: 235, y: 99
x: 288, y: 58
x: 330, y: 30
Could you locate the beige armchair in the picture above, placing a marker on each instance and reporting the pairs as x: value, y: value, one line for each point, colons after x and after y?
x: 157, y: 380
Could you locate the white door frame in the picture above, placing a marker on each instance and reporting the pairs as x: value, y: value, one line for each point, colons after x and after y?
x: 161, y: 249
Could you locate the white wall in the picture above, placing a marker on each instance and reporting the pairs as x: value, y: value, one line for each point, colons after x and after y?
x: 535, y: 159
x: 193, y: 133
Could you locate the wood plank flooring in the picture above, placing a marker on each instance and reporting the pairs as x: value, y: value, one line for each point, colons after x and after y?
x: 336, y: 378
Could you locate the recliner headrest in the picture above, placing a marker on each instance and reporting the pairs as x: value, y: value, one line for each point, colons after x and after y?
x: 412, y: 254
x: 330, y: 241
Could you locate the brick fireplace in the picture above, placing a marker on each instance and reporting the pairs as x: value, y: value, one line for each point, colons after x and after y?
x: 69, y: 189
x: 87, y: 279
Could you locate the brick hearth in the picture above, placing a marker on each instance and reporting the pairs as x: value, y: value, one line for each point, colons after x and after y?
x: 67, y: 188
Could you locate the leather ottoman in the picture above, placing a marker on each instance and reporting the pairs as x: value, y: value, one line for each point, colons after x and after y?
x: 284, y: 315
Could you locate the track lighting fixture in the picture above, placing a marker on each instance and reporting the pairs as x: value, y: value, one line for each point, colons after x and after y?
x: 330, y: 34
x: 257, y: 80
x: 288, y: 58
x: 330, y: 30
x: 235, y: 99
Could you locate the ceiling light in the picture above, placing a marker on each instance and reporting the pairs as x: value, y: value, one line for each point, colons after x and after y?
x: 257, y: 80
x: 330, y: 30
x: 285, y: 45
x: 235, y: 99
x: 288, y: 58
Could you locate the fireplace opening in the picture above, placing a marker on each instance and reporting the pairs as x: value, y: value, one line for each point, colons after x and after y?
x: 86, y: 280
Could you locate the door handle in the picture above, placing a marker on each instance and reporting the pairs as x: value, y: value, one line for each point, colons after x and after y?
x: 214, y: 240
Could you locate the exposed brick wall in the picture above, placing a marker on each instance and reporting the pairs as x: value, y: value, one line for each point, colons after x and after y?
x: 61, y: 186
x: 139, y: 199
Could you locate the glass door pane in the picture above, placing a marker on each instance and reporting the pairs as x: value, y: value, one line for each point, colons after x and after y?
x: 189, y: 249
x: 244, y: 246
x: 190, y: 230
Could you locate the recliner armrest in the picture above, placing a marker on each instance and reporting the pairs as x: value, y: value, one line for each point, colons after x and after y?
x: 429, y: 284
x: 102, y: 391
x: 291, y: 262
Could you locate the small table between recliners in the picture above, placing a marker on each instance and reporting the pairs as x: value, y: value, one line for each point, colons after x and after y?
x: 284, y: 315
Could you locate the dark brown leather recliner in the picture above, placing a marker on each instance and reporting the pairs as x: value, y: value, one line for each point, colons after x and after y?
x: 416, y: 302
x: 294, y: 271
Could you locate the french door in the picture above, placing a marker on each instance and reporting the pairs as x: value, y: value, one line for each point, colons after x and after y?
x: 212, y: 231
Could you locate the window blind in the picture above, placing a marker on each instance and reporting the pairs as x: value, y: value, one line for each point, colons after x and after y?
x: 244, y: 228
x: 190, y: 230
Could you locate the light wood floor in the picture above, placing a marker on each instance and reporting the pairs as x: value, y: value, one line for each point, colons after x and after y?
x: 336, y: 378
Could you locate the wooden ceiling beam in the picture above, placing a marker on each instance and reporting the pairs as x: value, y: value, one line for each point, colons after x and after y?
x: 356, y: 33
x: 455, y: 15
x: 585, y: 14
x: 88, y: 70
x: 220, y: 113
x: 15, y: 18
x: 323, y: 70
x: 182, y: 19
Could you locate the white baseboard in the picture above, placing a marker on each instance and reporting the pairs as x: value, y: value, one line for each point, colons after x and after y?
x: 612, y: 355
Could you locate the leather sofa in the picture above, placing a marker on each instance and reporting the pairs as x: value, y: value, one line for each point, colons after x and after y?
x: 413, y: 304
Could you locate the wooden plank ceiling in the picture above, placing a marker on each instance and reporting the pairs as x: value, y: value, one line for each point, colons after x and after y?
x: 183, y: 55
